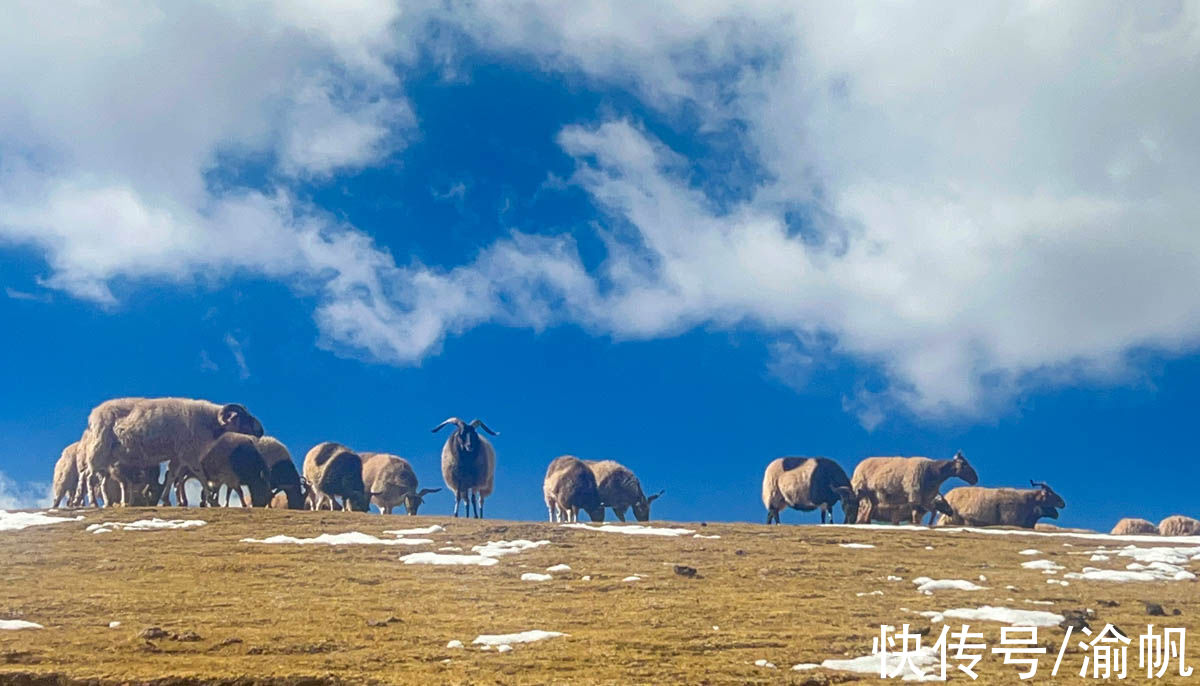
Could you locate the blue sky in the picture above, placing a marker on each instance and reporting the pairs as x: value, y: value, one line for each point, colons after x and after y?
x: 689, y: 239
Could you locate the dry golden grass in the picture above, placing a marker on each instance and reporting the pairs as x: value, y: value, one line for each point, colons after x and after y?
x: 300, y: 614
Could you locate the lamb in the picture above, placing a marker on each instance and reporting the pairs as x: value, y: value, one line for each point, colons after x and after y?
x: 899, y: 481
x: 620, y: 489
x: 570, y: 486
x: 978, y: 506
x: 144, y: 432
x: 1179, y: 525
x: 468, y: 463
x: 66, y: 476
x: 287, y: 488
x: 1132, y: 526
x: 807, y: 484
x: 874, y: 512
x: 332, y: 469
x: 234, y: 461
x: 393, y: 482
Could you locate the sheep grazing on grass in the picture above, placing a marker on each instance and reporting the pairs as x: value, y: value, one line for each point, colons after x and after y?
x: 333, y: 470
x: 896, y: 482
x: 287, y: 488
x: 978, y: 506
x: 807, y: 484
x: 869, y: 509
x: 468, y: 463
x: 392, y: 482
x: 620, y: 489
x: 66, y: 476
x: 1179, y: 525
x: 1132, y: 526
x: 570, y: 486
x: 144, y: 432
x: 234, y: 461
x: 144, y: 487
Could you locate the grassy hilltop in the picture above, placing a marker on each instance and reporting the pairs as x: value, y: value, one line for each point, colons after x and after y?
x: 248, y: 613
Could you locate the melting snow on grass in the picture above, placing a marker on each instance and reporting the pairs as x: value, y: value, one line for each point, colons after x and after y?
x: 423, y: 531
x: 522, y: 637
x: 534, y: 576
x: 1153, y: 563
x: 455, y: 644
x: 351, y: 538
x: 1047, y: 566
x: 154, y: 524
x: 634, y: 577
x: 926, y: 659
x: 927, y: 585
x: 501, y: 548
x: 448, y: 559
x: 559, y: 568
x: 636, y: 529
x: 703, y: 536
x: 1005, y: 615
x: 17, y: 625
x: 764, y: 663
x: 1030, y: 551
x: 856, y: 546
x: 15, y: 521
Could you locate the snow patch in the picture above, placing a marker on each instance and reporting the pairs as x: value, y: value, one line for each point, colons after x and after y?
x: 521, y: 637
x: 926, y: 659
x: 433, y: 529
x: 1005, y: 615
x: 856, y: 546
x: 927, y: 585
x: 503, y: 648
x: 15, y: 521
x: 154, y: 524
x: 764, y: 663
x: 17, y: 625
x: 351, y: 538
x: 632, y: 578
x: 559, y: 568
x: 445, y: 559
x: 455, y: 644
x: 703, y: 536
x: 635, y: 529
x: 534, y: 576
x: 502, y: 548
x: 1048, y: 566
x: 1030, y: 551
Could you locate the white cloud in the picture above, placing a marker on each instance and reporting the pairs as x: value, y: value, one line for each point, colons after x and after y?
x: 22, y: 496
x: 239, y: 356
x: 999, y: 195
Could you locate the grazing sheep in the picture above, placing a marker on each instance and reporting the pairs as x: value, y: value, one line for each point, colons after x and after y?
x: 332, y: 469
x: 468, y: 463
x: 807, y: 484
x: 66, y: 476
x: 287, y: 488
x: 899, y: 481
x: 392, y: 482
x: 144, y: 432
x: 144, y: 487
x: 234, y: 461
x: 570, y: 486
x: 1179, y: 525
x: 1132, y: 526
x: 979, y: 506
x: 620, y: 489
x: 909, y: 512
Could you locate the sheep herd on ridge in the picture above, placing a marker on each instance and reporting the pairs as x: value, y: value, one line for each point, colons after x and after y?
x: 118, y: 460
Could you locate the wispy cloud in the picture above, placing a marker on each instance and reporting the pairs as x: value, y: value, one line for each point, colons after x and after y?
x: 206, y: 362
x: 22, y: 496
x: 239, y: 357
x: 23, y: 295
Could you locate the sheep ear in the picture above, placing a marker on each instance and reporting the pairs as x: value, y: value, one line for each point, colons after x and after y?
x: 229, y: 413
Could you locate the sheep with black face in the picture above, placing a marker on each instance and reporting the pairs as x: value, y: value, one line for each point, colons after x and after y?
x: 468, y: 463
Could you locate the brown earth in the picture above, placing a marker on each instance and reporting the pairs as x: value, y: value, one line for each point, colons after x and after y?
x: 240, y: 613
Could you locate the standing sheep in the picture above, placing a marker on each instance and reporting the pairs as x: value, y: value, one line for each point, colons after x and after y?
x: 1179, y: 525
x: 870, y: 510
x: 234, y: 461
x: 570, y: 486
x: 1132, y: 526
x: 899, y: 481
x: 287, y: 488
x: 332, y: 469
x: 392, y: 482
x: 468, y: 463
x: 144, y: 487
x: 807, y: 484
x: 620, y: 489
x: 978, y: 506
x: 66, y: 477
x: 144, y: 432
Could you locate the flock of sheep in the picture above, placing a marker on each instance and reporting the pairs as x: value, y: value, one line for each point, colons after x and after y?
x: 118, y: 459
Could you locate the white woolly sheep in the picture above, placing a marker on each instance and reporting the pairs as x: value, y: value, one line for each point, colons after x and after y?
x: 392, y: 482
x: 807, y: 484
x: 468, y: 464
x: 1179, y: 525
x: 899, y: 481
x: 620, y: 489
x: 979, y: 506
x: 1132, y: 526
x: 570, y: 486
x: 66, y: 476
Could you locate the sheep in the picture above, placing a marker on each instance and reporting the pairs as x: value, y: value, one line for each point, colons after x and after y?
x: 620, y: 489
x: 899, y: 481
x: 807, y: 484
x: 978, y: 506
x: 1179, y: 525
x: 468, y: 463
x: 392, y: 480
x: 144, y: 432
x: 570, y: 486
x: 66, y: 476
x: 1132, y: 526
x: 234, y: 461
x: 332, y: 469
x: 287, y: 488
x: 144, y: 487
x: 874, y: 512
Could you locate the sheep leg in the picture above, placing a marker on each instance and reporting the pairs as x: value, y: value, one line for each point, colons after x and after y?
x: 620, y: 513
x: 171, y: 476
x: 241, y: 496
x: 481, y: 507
x: 457, y: 499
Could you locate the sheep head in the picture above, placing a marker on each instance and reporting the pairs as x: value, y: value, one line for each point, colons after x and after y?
x: 641, y: 508
x: 465, y: 438
x: 849, y: 500
x: 236, y: 418
x: 940, y: 504
x: 1046, y: 496
x: 963, y: 469
x: 413, y: 501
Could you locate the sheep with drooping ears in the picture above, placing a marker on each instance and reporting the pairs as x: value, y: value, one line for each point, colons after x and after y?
x: 807, y: 484
x: 1019, y: 507
x: 1179, y: 525
x: 570, y: 486
x: 620, y: 489
x: 333, y: 470
x: 1133, y: 526
x: 392, y: 482
x: 896, y: 482
x: 468, y: 463
x: 145, y: 432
